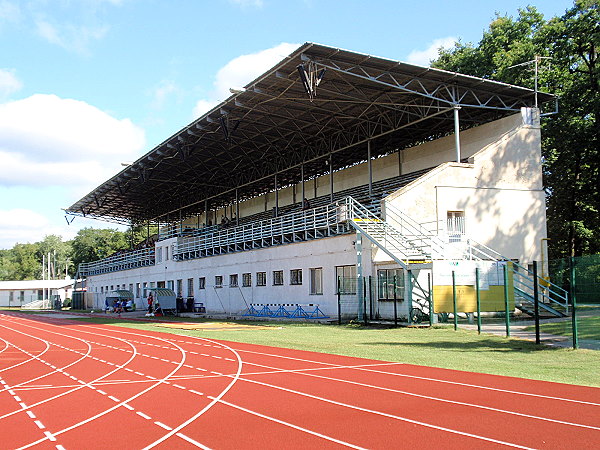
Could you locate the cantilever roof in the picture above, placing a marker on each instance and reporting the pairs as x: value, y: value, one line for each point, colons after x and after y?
x: 317, y: 104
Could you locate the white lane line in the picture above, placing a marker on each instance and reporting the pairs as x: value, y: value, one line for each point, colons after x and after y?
x: 114, y: 399
x: 391, y: 416
x: 178, y: 386
x: 100, y: 391
x: 162, y: 425
x: 291, y: 425
x: 30, y: 414
x: 39, y: 424
x: 192, y: 441
x: 141, y: 414
x: 436, y: 399
x: 60, y: 447
x: 17, y: 398
x: 476, y: 386
x: 50, y: 436
x: 129, y: 407
x: 196, y: 392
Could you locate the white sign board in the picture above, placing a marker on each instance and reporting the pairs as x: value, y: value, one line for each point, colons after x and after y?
x: 491, y: 273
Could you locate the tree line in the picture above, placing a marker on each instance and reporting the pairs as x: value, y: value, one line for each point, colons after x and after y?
x: 566, y: 48
x: 30, y: 261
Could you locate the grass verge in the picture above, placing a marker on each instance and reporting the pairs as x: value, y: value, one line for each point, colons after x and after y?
x: 587, y: 328
x: 440, y: 346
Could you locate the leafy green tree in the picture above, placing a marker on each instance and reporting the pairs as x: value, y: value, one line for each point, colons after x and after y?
x: 53, y: 248
x: 570, y: 146
x: 92, y: 244
x: 20, y: 263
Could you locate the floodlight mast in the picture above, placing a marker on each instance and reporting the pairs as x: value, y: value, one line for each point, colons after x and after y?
x: 536, y: 60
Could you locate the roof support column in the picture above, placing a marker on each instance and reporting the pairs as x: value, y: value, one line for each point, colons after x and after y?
x: 457, y: 132
x: 206, y: 212
x: 237, y: 207
x: 370, y: 165
x: 331, y: 177
x: 302, y: 176
x: 276, y: 197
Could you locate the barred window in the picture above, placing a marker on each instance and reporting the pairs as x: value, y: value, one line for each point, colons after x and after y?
x: 296, y: 276
x: 219, y: 281
x: 202, y: 283
x: 346, y: 276
x: 277, y: 277
x: 190, y: 287
x: 233, y: 280
x: 261, y: 278
x: 386, y: 278
x: 246, y: 279
x: 316, y: 281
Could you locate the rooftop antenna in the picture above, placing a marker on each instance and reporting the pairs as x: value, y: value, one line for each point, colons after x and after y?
x: 536, y: 62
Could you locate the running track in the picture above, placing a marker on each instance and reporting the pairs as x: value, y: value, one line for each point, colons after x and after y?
x: 67, y: 385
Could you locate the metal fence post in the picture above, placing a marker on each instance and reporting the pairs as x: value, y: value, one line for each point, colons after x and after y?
x: 365, y: 300
x: 430, y: 299
x: 339, y: 302
x: 395, y: 306
x: 409, y: 295
x: 506, y: 312
x: 454, y: 300
x: 370, y: 297
x: 536, y: 302
x: 478, y: 296
x: 574, y: 305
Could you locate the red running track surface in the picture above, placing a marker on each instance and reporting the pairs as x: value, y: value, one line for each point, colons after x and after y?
x: 67, y: 385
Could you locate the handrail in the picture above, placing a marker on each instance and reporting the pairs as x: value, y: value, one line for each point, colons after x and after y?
x: 120, y: 261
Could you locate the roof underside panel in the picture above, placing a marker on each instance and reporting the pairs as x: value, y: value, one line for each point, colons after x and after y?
x: 318, y: 105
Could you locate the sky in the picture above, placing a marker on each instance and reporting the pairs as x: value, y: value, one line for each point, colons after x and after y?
x: 86, y: 85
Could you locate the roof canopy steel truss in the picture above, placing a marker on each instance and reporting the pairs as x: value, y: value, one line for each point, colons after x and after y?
x: 312, y: 113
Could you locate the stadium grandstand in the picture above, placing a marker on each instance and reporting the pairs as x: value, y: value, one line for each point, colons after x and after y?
x: 336, y: 175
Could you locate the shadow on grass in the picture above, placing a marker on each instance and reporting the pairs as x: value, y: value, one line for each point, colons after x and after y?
x: 466, y: 345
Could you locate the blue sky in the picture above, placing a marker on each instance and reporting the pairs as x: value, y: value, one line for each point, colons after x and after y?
x: 88, y: 84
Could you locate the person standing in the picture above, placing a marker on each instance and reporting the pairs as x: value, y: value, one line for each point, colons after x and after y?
x: 150, y: 302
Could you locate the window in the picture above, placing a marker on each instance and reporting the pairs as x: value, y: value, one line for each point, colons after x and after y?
x: 159, y: 254
x: 277, y: 277
x: 455, y: 225
x: 171, y: 285
x: 246, y: 279
x: 218, y: 281
x: 233, y: 280
x: 190, y: 287
x: 296, y: 276
x: 316, y: 281
x: 166, y: 253
x: 346, y: 276
x: 261, y: 278
x: 138, y: 287
x: 202, y: 283
x: 145, y: 287
x: 385, y: 284
x: 180, y: 288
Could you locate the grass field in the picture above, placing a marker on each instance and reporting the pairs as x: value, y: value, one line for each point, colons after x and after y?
x: 587, y: 328
x: 440, y: 346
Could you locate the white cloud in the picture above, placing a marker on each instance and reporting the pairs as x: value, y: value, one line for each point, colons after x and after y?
x: 46, y: 140
x: 424, y: 57
x: 75, y: 38
x: 9, y: 83
x: 9, y: 11
x: 24, y: 225
x: 247, y: 3
x: 162, y: 92
x: 240, y: 71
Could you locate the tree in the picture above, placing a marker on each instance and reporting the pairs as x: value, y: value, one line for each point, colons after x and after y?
x: 92, y: 244
x: 20, y: 263
x: 58, y: 252
x: 570, y: 153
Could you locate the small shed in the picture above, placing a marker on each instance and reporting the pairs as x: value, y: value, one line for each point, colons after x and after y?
x: 166, y: 298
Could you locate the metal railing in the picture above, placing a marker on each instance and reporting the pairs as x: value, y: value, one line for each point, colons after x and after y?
x: 293, y: 227
x: 119, y: 261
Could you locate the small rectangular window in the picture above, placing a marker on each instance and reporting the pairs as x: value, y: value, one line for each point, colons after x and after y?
x: 346, y: 277
x: 386, y: 279
x: 296, y: 276
x: 180, y: 288
x: 166, y: 253
x: 233, y: 280
x: 202, y: 283
x: 190, y: 287
x: 246, y: 279
x: 261, y: 278
x: 316, y: 281
x: 159, y: 254
x: 277, y: 277
x: 218, y: 281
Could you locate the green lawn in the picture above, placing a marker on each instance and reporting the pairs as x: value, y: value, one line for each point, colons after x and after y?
x: 587, y: 328
x: 439, y: 347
